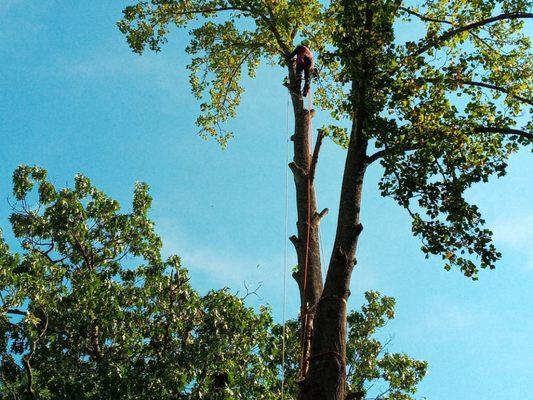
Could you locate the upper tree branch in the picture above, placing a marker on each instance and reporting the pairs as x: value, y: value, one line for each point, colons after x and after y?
x: 482, y: 129
x: 456, y: 31
x: 26, y: 360
x: 504, y: 131
x: 272, y: 27
x: 78, y: 246
x: 424, y: 17
x: 377, y: 155
x: 269, y: 22
x: 211, y: 10
x: 235, y: 70
x: 481, y: 84
x: 14, y: 311
x: 381, y: 153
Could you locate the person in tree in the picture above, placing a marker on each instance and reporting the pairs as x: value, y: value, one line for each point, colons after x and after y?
x: 304, y: 66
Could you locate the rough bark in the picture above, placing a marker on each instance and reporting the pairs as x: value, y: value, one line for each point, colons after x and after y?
x: 300, y: 167
x: 325, y: 378
x: 327, y: 369
x: 309, y: 273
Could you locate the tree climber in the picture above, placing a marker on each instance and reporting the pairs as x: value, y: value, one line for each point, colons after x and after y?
x: 304, y: 66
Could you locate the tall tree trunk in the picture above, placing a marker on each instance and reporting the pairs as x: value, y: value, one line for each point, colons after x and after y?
x: 326, y: 379
x: 327, y: 370
x: 307, y: 245
x: 307, y: 209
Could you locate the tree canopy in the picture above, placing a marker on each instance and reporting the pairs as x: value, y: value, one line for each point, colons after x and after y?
x: 444, y: 108
x: 90, y: 310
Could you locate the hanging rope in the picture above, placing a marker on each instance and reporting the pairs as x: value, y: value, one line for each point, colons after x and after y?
x: 285, y: 266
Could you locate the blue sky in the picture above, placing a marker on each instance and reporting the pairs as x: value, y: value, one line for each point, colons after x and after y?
x: 73, y: 98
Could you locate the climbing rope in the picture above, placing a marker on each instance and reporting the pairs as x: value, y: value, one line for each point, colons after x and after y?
x: 285, y: 266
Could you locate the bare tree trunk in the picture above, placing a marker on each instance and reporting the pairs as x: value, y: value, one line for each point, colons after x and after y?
x: 306, y: 243
x: 326, y: 306
x: 327, y: 370
x: 306, y: 205
x: 326, y: 379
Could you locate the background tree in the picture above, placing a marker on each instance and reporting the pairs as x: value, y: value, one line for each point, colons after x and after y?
x: 440, y: 111
x: 89, y: 310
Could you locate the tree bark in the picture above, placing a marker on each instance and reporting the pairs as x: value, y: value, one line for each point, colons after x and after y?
x: 309, y: 273
x: 326, y: 378
x: 305, y: 204
x: 326, y: 305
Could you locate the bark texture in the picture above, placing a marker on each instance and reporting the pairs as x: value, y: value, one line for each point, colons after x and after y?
x: 309, y: 273
x: 326, y: 378
x: 324, y: 353
x: 306, y: 205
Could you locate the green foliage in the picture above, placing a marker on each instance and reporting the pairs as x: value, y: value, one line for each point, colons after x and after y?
x: 433, y: 106
x: 89, y: 310
x: 445, y: 108
x: 368, y: 360
x: 233, y: 36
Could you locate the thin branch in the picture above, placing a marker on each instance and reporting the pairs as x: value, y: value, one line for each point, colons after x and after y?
x: 252, y: 292
x: 26, y: 360
x: 424, y: 17
x: 14, y: 311
x: 5, y: 383
x: 50, y: 259
x: 211, y: 10
x: 381, y: 153
x: 269, y: 22
x: 376, y: 156
x: 456, y: 31
x: 504, y: 131
x: 274, y: 30
x: 318, y: 216
x: 380, y: 396
x: 483, y: 85
x: 236, y: 70
x: 80, y: 248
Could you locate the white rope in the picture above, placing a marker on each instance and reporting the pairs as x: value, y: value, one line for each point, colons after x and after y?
x: 285, y: 255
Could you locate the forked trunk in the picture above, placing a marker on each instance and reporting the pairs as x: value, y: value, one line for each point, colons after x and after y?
x: 326, y: 376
